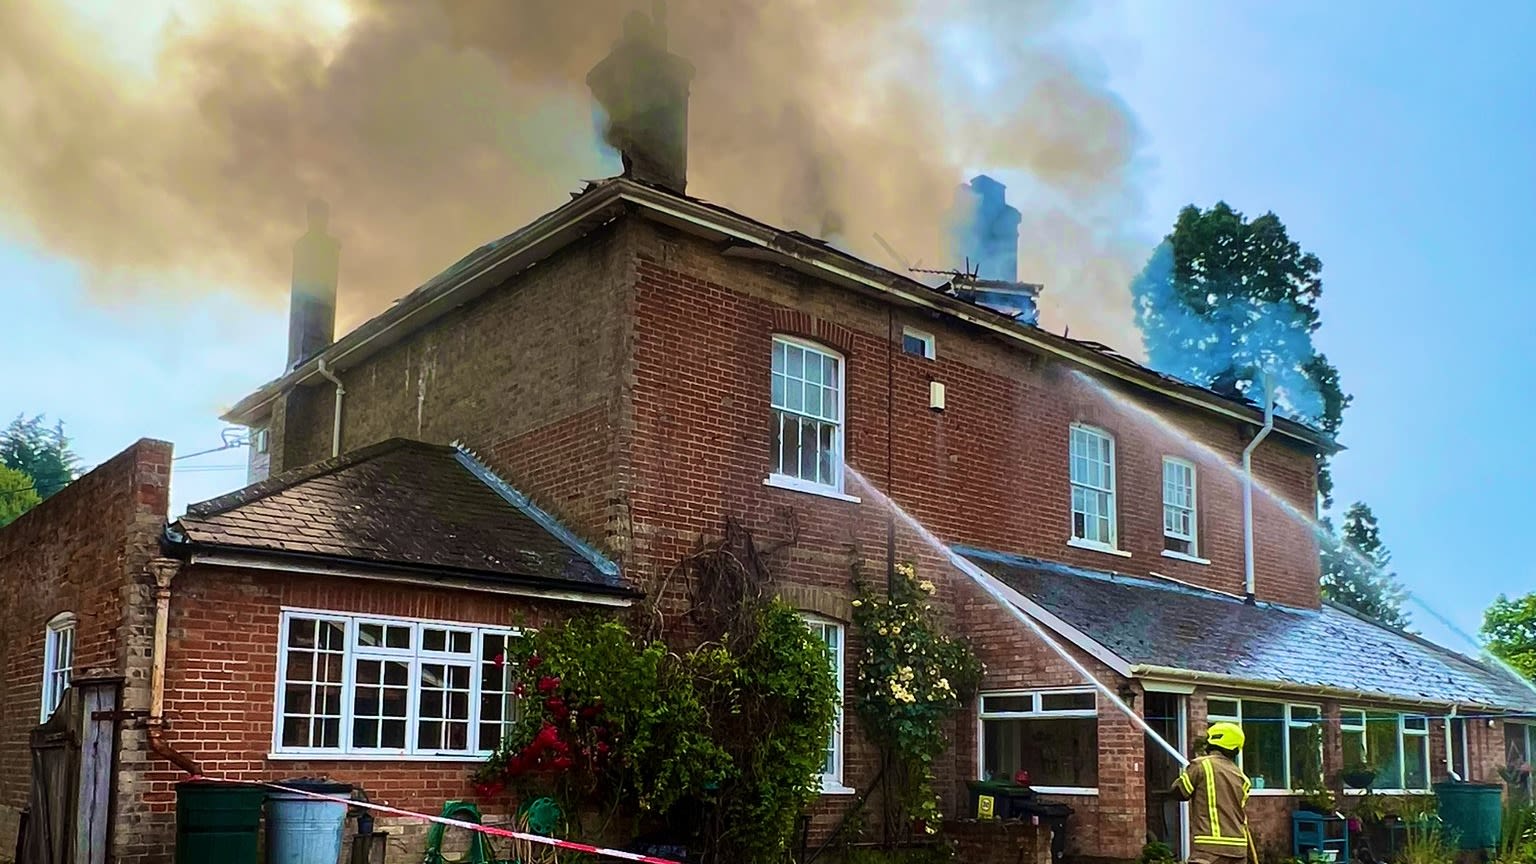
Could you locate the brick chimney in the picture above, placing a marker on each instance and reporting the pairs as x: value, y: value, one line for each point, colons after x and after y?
x: 989, y: 229
x: 644, y: 91
x: 312, y: 307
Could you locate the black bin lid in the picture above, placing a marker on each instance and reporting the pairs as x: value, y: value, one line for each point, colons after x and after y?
x: 318, y: 785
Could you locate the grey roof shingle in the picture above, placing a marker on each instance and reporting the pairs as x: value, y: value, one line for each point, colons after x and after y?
x: 406, y: 504
x: 1149, y: 622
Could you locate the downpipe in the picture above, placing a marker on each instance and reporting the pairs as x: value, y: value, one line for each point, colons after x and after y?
x: 164, y: 570
x: 1268, y: 427
x: 327, y: 374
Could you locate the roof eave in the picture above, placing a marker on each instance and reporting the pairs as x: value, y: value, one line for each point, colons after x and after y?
x: 1154, y: 672
x: 178, y: 545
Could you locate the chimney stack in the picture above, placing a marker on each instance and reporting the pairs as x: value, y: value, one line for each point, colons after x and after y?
x: 989, y: 229
x: 312, y: 308
x: 644, y: 91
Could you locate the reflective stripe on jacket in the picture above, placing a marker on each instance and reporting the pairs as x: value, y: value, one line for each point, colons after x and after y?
x: 1218, y: 814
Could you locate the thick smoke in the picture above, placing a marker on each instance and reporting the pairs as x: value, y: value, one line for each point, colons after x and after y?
x: 431, y: 127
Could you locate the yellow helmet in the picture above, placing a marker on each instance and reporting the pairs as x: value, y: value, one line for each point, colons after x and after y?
x: 1227, y: 736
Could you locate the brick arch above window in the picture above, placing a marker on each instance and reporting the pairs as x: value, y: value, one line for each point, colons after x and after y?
x: 796, y: 322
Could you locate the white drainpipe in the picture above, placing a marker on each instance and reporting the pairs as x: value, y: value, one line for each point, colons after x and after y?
x: 336, y: 422
x: 1450, y: 748
x: 1269, y: 425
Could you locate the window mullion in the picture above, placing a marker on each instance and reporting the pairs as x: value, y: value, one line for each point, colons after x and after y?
x: 348, y: 695
x: 413, y: 692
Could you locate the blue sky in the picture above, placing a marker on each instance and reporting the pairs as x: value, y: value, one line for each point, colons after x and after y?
x: 1395, y: 142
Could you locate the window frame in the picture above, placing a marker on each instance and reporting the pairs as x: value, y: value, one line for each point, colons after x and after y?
x: 1290, y: 723
x: 59, y: 632
x: 1193, y: 538
x: 1111, y: 490
x: 416, y: 656
x: 840, y: 425
x: 832, y: 782
x: 930, y: 344
x: 1036, y: 712
x: 1403, y: 736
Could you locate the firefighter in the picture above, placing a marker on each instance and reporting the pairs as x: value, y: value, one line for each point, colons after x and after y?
x: 1218, y: 794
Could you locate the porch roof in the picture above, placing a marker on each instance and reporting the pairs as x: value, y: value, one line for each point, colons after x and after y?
x: 402, y: 504
x: 1154, y: 626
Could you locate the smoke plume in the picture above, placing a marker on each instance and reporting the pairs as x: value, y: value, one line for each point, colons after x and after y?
x: 432, y: 126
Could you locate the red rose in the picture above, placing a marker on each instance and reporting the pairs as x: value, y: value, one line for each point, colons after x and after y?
x: 534, y: 661
x: 561, y: 763
x: 547, y: 684
x: 500, y: 659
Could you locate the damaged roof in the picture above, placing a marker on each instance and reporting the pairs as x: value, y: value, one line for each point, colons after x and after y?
x: 405, y: 505
x: 1153, y: 624
x: 603, y: 201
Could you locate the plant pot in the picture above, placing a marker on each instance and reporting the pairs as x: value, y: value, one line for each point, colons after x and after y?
x: 1358, y: 779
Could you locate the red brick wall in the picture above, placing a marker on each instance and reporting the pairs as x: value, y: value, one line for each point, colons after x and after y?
x: 78, y: 552
x: 221, y: 676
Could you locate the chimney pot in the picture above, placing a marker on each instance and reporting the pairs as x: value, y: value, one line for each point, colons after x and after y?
x: 312, y: 302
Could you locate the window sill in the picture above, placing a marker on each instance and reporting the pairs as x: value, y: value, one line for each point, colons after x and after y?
x: 1097, y: 547
x: 1066, y: 790
x: 1274, y: 793
x: 1360, y: 792
x: 832, y: 787
x: 1180, y: 556
x: 375, y: 757
x: 779, y: 481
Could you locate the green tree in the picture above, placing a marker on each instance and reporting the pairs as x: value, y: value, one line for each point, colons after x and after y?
x: 39, y: 451
x: 1509, y: 629
x: 1224, y: 297
x: 1355, y: 569
x: 17, y: 495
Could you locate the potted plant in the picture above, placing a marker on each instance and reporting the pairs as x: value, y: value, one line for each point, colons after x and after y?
x: 1358, y: 776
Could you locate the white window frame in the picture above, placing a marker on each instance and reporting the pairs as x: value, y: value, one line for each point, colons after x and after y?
x: 1036, y: 712
x: 415, y: 656
x: 832, y: 781
x: 839, y: 424
x: 930, y: 345
x: 1113, y: 546
x: 1193, y: 537
x: 58, y: 662
x: 1404, y: 734
x: 1527, y: 731
x: 1291, y: 723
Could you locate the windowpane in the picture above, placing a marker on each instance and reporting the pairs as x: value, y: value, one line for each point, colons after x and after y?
x: 1006, y: 704
x: 1067, y: 702
x: 832, y: 634
x: 806, y: 428
x: 1057, y: 751
x: 381, y: 690
x: 1383, y: 750
x: 1225, y: 709
x: 312, y: 672
x: 1092, y: 475
x: 497, y: 708
x: 1263, y: 754
x: 1416, y: 762
x: 1306, y: 743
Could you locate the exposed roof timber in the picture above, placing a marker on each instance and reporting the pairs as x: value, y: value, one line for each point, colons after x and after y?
x: 603, y: 201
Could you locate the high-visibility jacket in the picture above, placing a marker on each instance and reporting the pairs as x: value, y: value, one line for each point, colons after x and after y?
x: 1218, y: 814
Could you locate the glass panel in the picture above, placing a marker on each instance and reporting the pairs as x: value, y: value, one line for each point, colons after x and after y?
x: 778, y: 357
x: 370, y: 634
x: 812, y: 370
x: 795, y: 358
x: 434, y: 639
x: 1225, y: 709
x: 1302, y: 713
x: 1067, y: 702
x: 1416, y: 762
x: 778, y: 390
x: 1055, y: 752
x: 461, y: 642
x: 825, y: 469
x: 296, y: 731
x: 397, y: 637
x: 1005, y: 704
x: 1417, y: 724
x: 807, y: 451
x: 1354, y: 750
x: 1306, y: 755
x: 1354, y: 719
x: 1263, y: 757
x: 1383, y: 749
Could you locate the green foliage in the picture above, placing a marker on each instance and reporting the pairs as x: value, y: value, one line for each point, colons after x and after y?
x: 1224, y: 296
x: 736, y: 732
x: 911, y: 678
x: 1509, y: 630
x: 1517, y: 838
x: 40, y: 452
x: 1427, y: 843
x: 785, y: 698
x: 1361, y: 580
x: 1157, y: 853
x: 17, y: 495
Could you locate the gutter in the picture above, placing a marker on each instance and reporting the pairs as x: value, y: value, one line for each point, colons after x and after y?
x: 1172, y: 673
x: 164, y: 570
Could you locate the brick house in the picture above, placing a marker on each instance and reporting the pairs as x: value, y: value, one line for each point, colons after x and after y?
x: 552, y: 423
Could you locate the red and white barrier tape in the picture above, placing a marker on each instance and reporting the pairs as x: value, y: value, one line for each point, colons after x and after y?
x: 455, y: 823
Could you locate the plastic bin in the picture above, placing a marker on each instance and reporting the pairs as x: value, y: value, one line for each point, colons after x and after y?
x: 303, y: 830
x: 993, y: 799
x: 217, y: 822
x: 1474, y: 812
